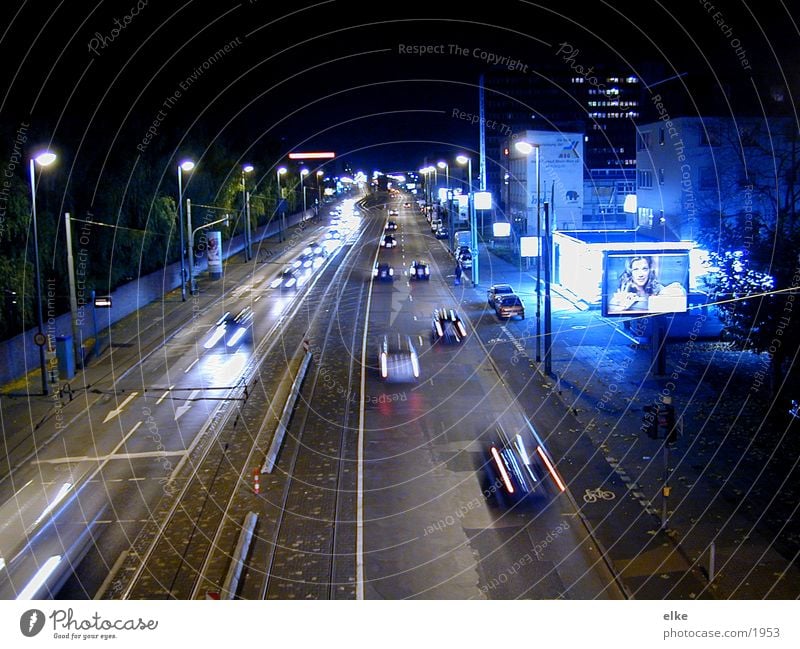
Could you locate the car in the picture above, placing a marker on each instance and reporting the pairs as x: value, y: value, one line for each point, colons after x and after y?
x: 419, y: 270
x: 388, y: 241
x: 511, y: 464
x: 383, y: 272
x: 442, y: 233
x: 496, y: 290
x: 231, y: 329
x: 391, y: 225
x: 447, y: 326
x: 398, y: 361
x: 464, y: 258
x: 507, y: 306
x: 436, y: 224
x: 307, y: 260
x: 392, y: 212
x: 290, y: 278
x: 406, y: 204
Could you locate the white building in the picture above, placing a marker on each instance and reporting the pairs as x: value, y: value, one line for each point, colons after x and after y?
x: 559, y: 181
x: 698, y: 173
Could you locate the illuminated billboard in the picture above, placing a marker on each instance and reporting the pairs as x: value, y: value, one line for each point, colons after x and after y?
x: 529, y: 246
x: 501, y: 229
x: 483, y: 200
x: 645, y: 284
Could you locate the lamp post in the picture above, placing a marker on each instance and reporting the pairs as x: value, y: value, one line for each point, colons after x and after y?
x: 303, y: 174
x: 248, y: 251
x: 44, y: 159
x: 320, y: 174
x: 279, y: 173
x: 186, y: 165
x: 473, y: 226
x: 443, y: 165
x: 526, y: 148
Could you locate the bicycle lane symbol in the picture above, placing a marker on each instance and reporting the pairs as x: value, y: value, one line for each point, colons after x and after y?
x: 593, y: 495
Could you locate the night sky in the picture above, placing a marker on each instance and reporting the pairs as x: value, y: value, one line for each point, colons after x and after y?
x: 331, y: 75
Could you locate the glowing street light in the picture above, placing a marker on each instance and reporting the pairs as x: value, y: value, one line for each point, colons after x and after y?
x: 248, y: 253
x: 187, y: 166
x: 44, y: 159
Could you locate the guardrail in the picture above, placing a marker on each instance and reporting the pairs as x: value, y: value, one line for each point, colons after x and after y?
x: 286, y: 415
x: 231, y: 583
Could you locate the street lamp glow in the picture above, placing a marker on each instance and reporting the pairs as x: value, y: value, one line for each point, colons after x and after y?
x: 303, y: 172
x: 523, y: 147
x: 45, y: 159
x: 247, y: 169
x: 441, y: 164
x: 462, y: 159
x: 187, y: 165
x: 281, y: 171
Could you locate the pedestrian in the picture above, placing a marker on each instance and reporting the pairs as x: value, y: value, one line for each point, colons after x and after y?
x: 458, y: 273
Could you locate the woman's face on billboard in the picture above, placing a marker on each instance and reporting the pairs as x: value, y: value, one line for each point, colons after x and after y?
x: 640, y: 272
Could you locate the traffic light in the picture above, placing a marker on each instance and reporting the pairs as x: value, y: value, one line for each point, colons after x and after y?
x: 650, y: 421
x: 659, y: 422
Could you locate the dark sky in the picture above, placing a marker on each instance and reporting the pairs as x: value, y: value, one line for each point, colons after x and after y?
x: 330, y: 75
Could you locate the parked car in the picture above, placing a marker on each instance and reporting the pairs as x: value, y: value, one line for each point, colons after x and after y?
x: 447, y: 326
x: 496, y: 290
x: 464, y: 258
x: 383, y: 272
x: 436, y: 224
x: 442, y: 233
x: 507, y: 306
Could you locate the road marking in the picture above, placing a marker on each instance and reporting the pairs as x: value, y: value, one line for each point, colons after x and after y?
x: 182, y: 410
x: 118, y: 410
x: 194, y: 362
x: 164, y: 396
x: 360, y: 472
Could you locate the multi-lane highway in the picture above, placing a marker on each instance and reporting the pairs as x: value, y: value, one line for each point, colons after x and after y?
x: 381, y: 489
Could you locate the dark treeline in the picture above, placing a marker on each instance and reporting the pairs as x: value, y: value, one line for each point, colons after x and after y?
x: 100, y: 175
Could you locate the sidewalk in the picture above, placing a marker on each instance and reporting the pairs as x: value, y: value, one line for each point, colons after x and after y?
x: 733, y: 473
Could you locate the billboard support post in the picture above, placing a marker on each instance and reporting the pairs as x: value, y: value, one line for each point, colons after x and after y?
x: 548, y: 362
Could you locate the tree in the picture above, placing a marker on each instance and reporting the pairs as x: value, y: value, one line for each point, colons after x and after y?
x: 756, y: 316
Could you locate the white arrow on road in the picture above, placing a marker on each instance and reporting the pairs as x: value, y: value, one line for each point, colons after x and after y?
x: 115, y: 412
x: 182, y: 410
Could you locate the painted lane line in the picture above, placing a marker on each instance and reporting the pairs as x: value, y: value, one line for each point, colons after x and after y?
x: 360, y: 473
x: 194, y: 362
x: 164, y: 396
x: 118, y: 410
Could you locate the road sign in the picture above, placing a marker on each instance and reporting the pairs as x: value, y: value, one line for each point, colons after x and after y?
x: 39, y: 339
x: 102, y: 302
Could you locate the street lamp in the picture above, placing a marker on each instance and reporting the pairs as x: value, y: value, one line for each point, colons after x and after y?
x: 44, y: 159
x: 320, y: 174
x: 473, y: 226
x: 248, y: 252
x: 303, y: 174
x: 279, y: 173
x: 187, y: 166
x: 526, y: 148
